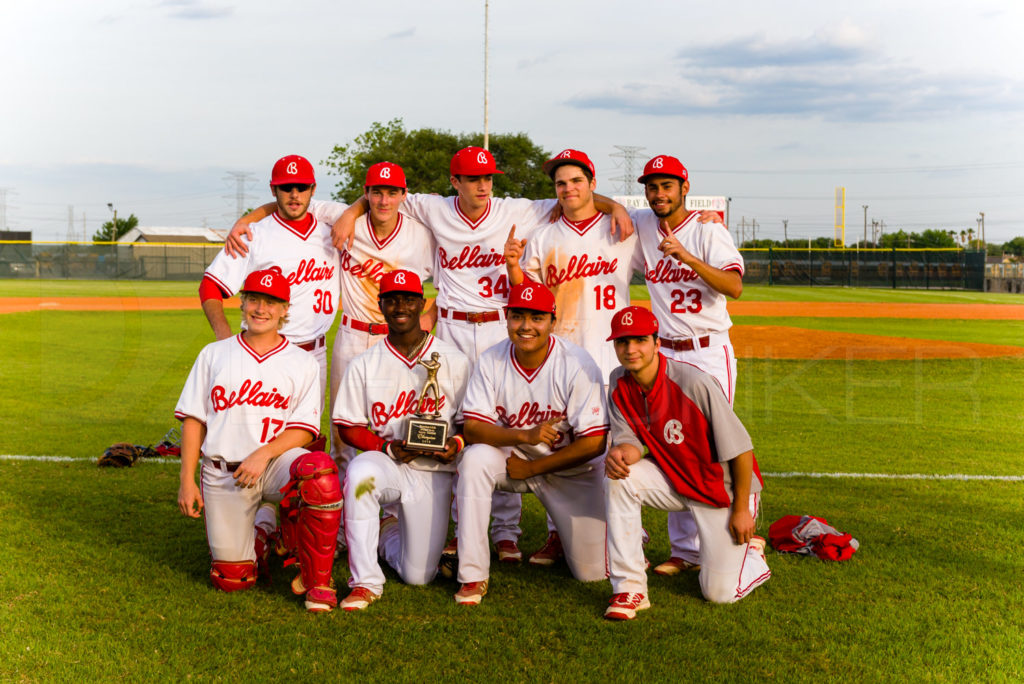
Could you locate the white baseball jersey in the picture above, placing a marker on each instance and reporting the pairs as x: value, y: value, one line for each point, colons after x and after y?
x: 245, y: 399
x: 685, y: 305
x: 470, y: 272
x: 306, y: 258
x: 588, y: 270
x: 381, y: 389
x: 410, y: 246
x: 568, y: 385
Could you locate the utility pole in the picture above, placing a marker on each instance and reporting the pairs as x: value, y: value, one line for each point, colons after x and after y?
x: 753, y: 229
x: 113, y: 230
x: 881, y: 229
x: 71, y: 223
x: 874, y: 232
x: 3, y: 208
x: 785, y: 232
x: 865, y: 224
x: 487, y: 52
x: 743, y: 230
x: 982, y: 227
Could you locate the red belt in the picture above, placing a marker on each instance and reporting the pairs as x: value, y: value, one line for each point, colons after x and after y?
x: 313, y: 344
x: 470, y: 316
x: 372, y: 328
x: 224, y: 465
x: 685, y: 344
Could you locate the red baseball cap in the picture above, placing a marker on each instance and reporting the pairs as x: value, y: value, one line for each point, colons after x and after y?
x: 385, y: 173
x: 268, y: 282
x: 400, y: 281
x: 292, y: 169
x: 574, y: 157
x: 531, y: 295
x: 633, y: 321
x: 473, y: 161
x: 664, y: 165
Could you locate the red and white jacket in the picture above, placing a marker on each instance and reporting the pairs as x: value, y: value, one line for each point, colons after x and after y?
x: 688, y: 426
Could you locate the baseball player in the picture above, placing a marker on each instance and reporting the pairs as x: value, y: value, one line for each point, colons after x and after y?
x: 379, y: 393
x: 298, y: 246
x: 700, y: 459
x: 472, y: 284
x: 690, y: 268
x: 248, y: 406
x: 578, y: 258
x: 535, y: 421
x: 385, y: 240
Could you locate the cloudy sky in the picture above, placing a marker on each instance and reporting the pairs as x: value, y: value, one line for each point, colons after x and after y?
x: 916, y: 108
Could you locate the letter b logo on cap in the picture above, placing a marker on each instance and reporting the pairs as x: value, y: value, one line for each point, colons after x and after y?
x: 627, y: 318
x: 400, y: 278
x: 293, y: 169
x: 658, y: 163
x: 528, y: 294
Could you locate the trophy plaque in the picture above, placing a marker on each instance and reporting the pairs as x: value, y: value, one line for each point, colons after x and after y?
x: 426, y: 431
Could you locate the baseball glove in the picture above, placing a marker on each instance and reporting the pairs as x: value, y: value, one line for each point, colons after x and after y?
x: 121, y: 455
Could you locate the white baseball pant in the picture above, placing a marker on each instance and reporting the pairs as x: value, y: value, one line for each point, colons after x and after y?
x: 719, y: 360
x: 231, y: 509
x: 728, y: 571
x: 348, y: 344
x: 414, y: 547
x: 573, y: 501
x: 472, y: 339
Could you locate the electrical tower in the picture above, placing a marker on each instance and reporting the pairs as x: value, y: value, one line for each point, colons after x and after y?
x: 630, y: 166
x: 241, y: 179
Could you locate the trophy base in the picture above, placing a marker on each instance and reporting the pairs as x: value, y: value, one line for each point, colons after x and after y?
x: 427, y: 435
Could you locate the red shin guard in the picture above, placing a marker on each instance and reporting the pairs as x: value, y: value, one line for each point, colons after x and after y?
x: 310, y: 517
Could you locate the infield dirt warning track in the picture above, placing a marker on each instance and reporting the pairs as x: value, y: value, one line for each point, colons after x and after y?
x: 749, y: 341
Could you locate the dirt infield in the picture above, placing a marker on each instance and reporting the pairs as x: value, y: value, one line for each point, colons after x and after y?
x: 750, y: 341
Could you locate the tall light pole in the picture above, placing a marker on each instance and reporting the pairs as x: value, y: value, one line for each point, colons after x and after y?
x: 982, y: 236
x: 113, y: 229
x: 487, y: 52
x: 865, y: 225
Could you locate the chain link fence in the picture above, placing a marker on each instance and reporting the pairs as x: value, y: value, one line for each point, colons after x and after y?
x: 890, y: 268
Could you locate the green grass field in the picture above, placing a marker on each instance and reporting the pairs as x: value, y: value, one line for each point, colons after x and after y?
x: 105, y: 580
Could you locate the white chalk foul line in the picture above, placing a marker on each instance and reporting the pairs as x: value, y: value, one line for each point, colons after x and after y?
x: 901, y: 476
x: 852, y: 476
x: 72, y: 459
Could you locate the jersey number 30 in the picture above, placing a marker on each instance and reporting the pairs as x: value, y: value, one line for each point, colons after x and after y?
x: 686, y: 301
x: 323, y: 302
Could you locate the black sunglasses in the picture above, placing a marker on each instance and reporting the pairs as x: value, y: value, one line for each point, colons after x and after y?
x: 288, y: 187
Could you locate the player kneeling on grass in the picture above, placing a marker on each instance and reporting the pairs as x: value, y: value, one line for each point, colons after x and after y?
x: 250, y: 403
x: 678, y: 412
x: 377, y: 397
x: 536, y: 422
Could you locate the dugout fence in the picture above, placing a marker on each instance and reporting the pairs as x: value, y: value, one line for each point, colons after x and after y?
x: 890, y: 268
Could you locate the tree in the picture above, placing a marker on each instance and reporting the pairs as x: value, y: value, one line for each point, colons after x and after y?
x: 425, y: 153
x: 933, y: 238
x: 107, y: 233
x: 1015, y: 246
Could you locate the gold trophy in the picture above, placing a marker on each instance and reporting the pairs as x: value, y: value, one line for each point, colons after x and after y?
x: 425, y: 431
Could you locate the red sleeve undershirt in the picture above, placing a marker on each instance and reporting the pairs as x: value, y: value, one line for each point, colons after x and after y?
x: 361, y: 438
x: 208, y: 289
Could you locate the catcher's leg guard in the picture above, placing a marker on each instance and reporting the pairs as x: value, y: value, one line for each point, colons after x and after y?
x: 310, y: 517
x: 228, y: 576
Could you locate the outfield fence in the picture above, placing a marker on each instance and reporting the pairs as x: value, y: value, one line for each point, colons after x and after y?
x: 891, y: 268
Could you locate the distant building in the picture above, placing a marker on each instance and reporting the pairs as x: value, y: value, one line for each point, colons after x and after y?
x: 16, y: 235
x: 175, y: 234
